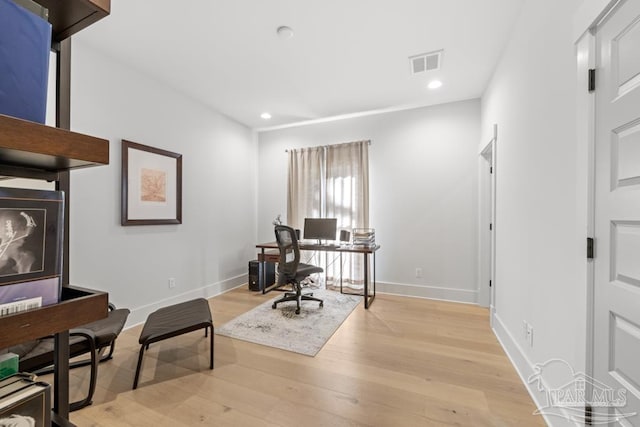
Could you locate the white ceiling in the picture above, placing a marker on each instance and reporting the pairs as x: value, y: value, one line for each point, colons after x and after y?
x: 346, y: 56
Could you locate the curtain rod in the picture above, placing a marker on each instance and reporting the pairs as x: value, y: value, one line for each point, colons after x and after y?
x: 368, y: 141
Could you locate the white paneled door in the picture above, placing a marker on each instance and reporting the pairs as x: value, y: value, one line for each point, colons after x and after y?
x: 617, y: 218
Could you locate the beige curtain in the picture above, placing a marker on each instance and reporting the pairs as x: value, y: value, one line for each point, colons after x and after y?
x: 347, y: 193
x: 305, y: 186
x: 331, y: 182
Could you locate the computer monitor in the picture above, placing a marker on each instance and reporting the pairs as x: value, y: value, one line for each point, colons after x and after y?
x: 320, y: 228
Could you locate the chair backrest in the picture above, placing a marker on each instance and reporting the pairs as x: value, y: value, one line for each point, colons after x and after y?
x: 289, y: 253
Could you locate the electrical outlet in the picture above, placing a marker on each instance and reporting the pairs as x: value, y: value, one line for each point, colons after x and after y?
x: 418, y: 273
x: 530, y: 335
x: 172, y: 283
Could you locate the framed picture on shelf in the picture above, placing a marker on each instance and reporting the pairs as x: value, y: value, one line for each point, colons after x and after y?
x: 151, y: 185
x: 31, y: 238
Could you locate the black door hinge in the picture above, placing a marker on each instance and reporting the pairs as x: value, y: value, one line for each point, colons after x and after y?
x: 489, y: 283
x: 592, y: 79
x: 491, y: 169
x: 490, y: 226
x: 590, y: 244
x: 587, y: 415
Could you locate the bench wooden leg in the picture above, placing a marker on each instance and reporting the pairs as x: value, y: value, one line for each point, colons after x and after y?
x: 74, y: 406
x: 140, y: 355
x: 211, y: 349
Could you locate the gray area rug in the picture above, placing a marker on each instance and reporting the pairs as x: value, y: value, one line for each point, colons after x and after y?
x: 304, y: 333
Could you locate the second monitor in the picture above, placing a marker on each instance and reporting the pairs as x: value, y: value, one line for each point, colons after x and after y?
x: 320, y: 228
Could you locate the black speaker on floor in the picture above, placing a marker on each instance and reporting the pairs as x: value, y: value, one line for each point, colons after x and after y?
x: 255, y: 275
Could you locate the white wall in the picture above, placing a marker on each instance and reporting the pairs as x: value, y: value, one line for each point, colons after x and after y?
x: 209, y: 251
x: 540, y: 248
x: 423, y: 191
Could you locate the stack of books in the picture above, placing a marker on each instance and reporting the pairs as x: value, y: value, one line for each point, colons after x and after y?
x: 8, y: 364
x: 24, y: 401
x: 364, y: 237
x: 17, y: 297
x: 25, y: 44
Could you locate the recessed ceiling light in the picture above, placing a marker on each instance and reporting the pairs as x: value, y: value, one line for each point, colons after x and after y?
x: 434, y: 84
x: 284, y: 32
x: 265, y: 116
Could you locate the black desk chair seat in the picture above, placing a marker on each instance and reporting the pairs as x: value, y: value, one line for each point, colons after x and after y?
x: 291, y: 270
x: 93, y: 338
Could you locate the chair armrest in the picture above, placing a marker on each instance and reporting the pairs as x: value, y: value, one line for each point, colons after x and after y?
x: 111, y: 306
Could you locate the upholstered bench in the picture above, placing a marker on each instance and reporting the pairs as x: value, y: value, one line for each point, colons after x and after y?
x: 172, y: 321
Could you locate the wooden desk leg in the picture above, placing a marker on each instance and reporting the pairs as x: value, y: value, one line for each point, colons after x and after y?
x: 366, y: 280
x: 369, y: 299
x: 374, y: 277
x: 262, y: 266
x: 340, y: 272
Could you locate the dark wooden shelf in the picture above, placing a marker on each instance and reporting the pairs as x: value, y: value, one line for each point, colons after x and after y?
x: 33, y: 150
x: 77, y: 307
x: 36, y: 146
x: 67, y: 17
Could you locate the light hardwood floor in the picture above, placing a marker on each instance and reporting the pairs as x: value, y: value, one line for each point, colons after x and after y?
x: 403, y: 362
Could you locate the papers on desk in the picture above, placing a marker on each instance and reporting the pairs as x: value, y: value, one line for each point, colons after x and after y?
x: 364, y: 237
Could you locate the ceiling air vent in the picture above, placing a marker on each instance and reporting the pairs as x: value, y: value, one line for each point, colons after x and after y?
x: 425, y: 62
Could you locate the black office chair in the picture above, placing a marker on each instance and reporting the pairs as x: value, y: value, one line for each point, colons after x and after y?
x: 290, y: 269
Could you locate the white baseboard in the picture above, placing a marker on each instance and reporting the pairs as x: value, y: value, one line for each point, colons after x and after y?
x: 139, y: 315
x: 430, y: 292
x: 525, y: 369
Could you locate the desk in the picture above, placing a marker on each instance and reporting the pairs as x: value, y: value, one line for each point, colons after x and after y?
x: 364, y: 250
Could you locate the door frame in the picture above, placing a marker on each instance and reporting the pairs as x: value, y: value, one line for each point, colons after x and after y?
x: 487, y: 199
x: 589, y: 16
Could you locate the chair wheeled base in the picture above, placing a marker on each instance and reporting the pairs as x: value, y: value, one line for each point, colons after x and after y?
x: 298, y: 298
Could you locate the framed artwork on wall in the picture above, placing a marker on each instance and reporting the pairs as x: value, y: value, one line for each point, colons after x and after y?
x: 151, y: 185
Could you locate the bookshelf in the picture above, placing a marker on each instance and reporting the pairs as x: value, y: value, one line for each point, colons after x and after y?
x: 32, y: 146
x: 70, y: 16
x: 36, y: 151
x: 77, y: 306
x: 33, y: 150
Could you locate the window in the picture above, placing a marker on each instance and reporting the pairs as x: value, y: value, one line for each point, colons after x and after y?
x: 331, y: 182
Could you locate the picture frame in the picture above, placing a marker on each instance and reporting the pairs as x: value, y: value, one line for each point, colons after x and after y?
x: 31, y: 240
x: 151, y: 185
